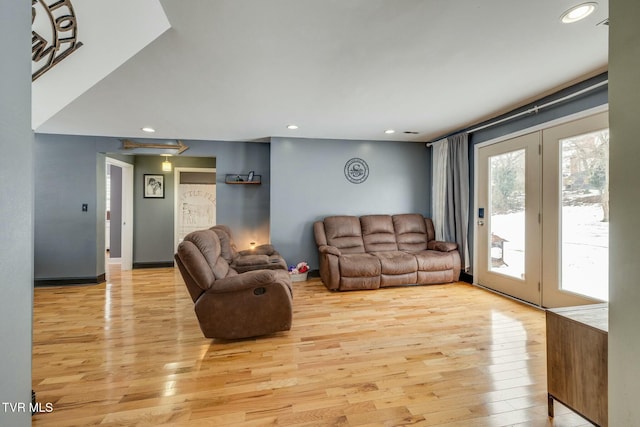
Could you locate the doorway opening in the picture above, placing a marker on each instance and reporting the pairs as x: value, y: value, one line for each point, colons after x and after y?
x: 119, y: 213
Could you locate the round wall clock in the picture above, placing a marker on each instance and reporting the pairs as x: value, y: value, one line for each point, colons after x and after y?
x: 356, y: 170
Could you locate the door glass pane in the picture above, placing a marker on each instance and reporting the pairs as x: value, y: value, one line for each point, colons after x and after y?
x: 585, y: 214
x: 507, y: 213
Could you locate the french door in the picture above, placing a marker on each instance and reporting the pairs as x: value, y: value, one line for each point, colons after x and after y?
x: 575, y: 262
x: 507, y: 217
x: 542, y: 216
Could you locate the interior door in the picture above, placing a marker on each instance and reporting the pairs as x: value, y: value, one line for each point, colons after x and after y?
x: 508, y: 236
x: 576, y: 213
x: 195, y: 207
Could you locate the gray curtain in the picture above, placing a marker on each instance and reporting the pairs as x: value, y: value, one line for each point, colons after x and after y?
x: 456, y: 224
x: 439, y: 165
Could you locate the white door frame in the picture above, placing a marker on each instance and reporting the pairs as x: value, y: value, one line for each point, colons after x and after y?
x: 176, y: 203
x: 126, y: 262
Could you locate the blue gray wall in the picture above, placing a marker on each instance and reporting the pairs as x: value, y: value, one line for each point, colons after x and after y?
x: 308, y: 183
x: 16, y: 211
x: 580, y: 103
x: 153, y: 226
x: 243, y: 208
x: 70, y: 171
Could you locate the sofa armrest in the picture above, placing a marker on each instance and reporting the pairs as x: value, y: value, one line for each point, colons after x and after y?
x: 437, y: 245
x: 243, y: 281
x: 265, y: 249
x: 329, y: 250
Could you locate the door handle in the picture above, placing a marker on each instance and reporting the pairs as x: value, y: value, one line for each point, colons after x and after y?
x: 480, y: 222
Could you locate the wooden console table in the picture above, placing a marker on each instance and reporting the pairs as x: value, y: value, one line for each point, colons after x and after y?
x: 577, y: 360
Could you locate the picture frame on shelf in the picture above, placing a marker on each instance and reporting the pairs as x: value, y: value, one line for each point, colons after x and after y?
x: 250, y: 176
x: 153, y: 186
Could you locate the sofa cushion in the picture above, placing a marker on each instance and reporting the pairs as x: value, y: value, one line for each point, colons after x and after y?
x: 434, y: 277
x: 378, y: 233
x: 359, y: 265
x: 252, y: 262
x: 208, y: 244
x: 411, y: 232
x: 264, y: 249
x: 434, y: 260
x: 359, y: 283
x: 442, y: 246
x: 387, y: 280
x: 344, y: 233
x: 396, y: 262
x: 195, y: 268
x: 226, y: 245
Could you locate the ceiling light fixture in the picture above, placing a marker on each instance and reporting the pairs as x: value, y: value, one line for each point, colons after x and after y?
x: 148, y: 129
x: 292, y: 127
x: 166, y: 165
x: 578, y: 12
x: 389, y: 131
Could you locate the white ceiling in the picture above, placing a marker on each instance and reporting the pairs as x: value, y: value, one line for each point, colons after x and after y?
x: 102, y: 52
x: 242, y: 70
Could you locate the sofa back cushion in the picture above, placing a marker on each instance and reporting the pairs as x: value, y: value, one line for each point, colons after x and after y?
x: 201, y: 255
x: 378, y: 233
x: 344, y: 232
x: 411, y: 232
x: 227, y: 247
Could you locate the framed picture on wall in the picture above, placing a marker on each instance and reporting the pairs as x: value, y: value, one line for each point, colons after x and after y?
x: 153, y: 186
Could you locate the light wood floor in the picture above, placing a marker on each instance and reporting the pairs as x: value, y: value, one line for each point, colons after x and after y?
x: 130, y: 353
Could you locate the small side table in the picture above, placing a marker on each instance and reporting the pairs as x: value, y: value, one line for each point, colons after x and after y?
x: 577, y: 356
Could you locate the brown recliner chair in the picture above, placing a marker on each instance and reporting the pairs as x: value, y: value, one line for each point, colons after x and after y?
x: 262, y: 257
x: 230, y: 305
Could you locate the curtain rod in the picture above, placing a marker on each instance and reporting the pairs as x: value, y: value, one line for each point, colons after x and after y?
x: 533, y: 109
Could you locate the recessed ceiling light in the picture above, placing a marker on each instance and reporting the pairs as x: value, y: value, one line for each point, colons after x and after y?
x: 292, y: 127
x: 578, y: 12
x: 389, y: 131
x: 148, y: 129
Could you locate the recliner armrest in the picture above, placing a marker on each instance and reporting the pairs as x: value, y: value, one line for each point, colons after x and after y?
x: 244, y: 281
x: 266, y: 249
x: 332, y: 250
x: 437, y: 245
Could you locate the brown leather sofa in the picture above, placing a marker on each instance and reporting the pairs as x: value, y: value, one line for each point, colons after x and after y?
x: 228, y: 304
x: 262, y: 257
x: 373, y: 251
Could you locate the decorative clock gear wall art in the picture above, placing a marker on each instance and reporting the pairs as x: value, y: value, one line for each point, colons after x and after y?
x: 356, y: 170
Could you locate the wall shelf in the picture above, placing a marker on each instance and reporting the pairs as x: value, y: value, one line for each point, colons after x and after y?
x: 234, y: 178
